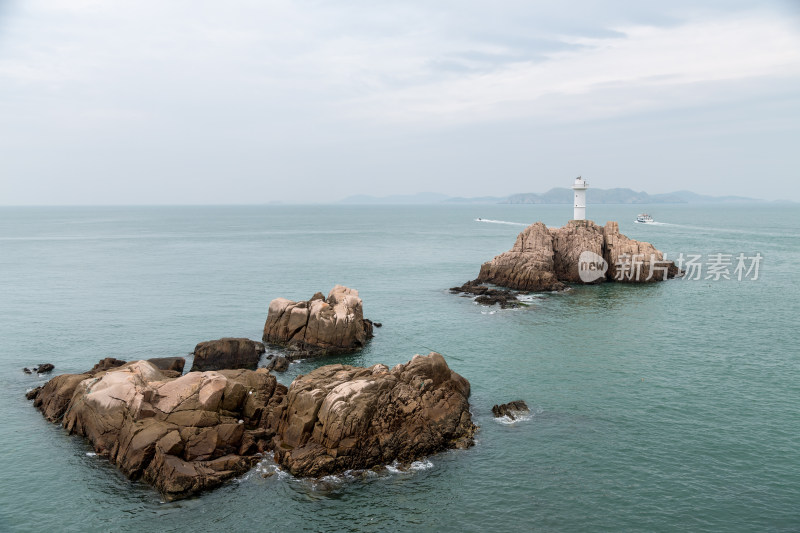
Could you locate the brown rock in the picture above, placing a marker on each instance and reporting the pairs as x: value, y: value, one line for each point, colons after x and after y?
x: 569, y: 242
x: 227, y: 353
x: 528, y: 266
x: 174, y: 364
x: 278, y: 364
x: 342, y: 417
x: 319, y: 326
x: 31, y: 394
x: 54, y: 397
x: 631, y: 261
x: 542, y: 259
x: 180, y: 434
x: 44, y: 368
x: 106, y: 364
x: 510, y: 409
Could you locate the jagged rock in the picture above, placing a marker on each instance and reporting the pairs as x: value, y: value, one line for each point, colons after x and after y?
x: 319, y: 326
x: 510, y: 409
x: 278, y: 364
x: 341, y: 417
x: 631, y: 261
x: 182, y: 435
x: 527, y: 266
x: 54, y: 396
x: 227, y: 353
x: 569, y: 242
x: 542, y: 258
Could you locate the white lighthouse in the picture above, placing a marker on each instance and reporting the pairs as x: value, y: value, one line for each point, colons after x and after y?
x: 580, y: 187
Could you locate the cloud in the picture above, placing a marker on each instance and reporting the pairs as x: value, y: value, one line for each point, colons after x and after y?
x: 131, y: 101
x: 599, y: 78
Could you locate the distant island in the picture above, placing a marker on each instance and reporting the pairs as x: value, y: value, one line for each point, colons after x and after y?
x: 558, y: 195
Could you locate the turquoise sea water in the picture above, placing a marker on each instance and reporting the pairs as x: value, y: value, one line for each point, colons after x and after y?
x: 667, y: 407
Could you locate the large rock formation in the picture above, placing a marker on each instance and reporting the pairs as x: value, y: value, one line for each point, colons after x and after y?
x: 227, y: 353
x: 191, y: 433
x: 319, y: 326
x: 182, y: 435
x: 342, y: 417
x: 542, y: 258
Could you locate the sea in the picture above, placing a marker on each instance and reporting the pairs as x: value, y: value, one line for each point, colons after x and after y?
x: 672, y: 406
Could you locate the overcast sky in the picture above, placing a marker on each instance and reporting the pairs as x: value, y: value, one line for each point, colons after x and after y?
x: 197, y: 102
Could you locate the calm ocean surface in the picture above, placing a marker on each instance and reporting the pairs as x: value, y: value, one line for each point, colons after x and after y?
x: 668, y: 407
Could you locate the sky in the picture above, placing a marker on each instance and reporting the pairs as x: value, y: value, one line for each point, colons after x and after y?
x: 251, y: 102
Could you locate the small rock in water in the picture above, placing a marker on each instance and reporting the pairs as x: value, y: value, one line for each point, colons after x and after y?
x: 510, y: 408
x: 377, y: 324
x: 45, y: 368
x: 27, y: 370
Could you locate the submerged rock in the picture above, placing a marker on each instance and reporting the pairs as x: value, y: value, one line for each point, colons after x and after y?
x: 489, y: 296
x: 341, y: 417
x: 319, y: 326
x: 510, y: 409
x: 182, y: 435
x: 227, y: 353
x: 544, y: 259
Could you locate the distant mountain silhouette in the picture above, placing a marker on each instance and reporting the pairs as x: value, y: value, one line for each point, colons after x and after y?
x: 559, y: 195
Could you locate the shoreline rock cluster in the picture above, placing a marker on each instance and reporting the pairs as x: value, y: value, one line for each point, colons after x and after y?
x: 318, y: 326
x: 184, y: 434
x: 546, y: 259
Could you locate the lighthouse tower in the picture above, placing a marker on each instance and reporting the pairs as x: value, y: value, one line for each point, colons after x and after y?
x: 580, y: 187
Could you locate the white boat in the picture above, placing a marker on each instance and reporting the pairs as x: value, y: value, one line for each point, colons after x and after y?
x: 644, y: 218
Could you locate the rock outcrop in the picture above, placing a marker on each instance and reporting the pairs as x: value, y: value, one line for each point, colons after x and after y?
x: 510, y: 409
x: 342, y: 417
x: 183, y: 435
x: 633, y: 261
x: 543, y: 259
x: 319, y: 326
x: 528, y: 266
x: 227, y: 353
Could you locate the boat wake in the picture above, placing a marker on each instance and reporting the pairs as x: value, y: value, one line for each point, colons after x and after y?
x: 490, y: 221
